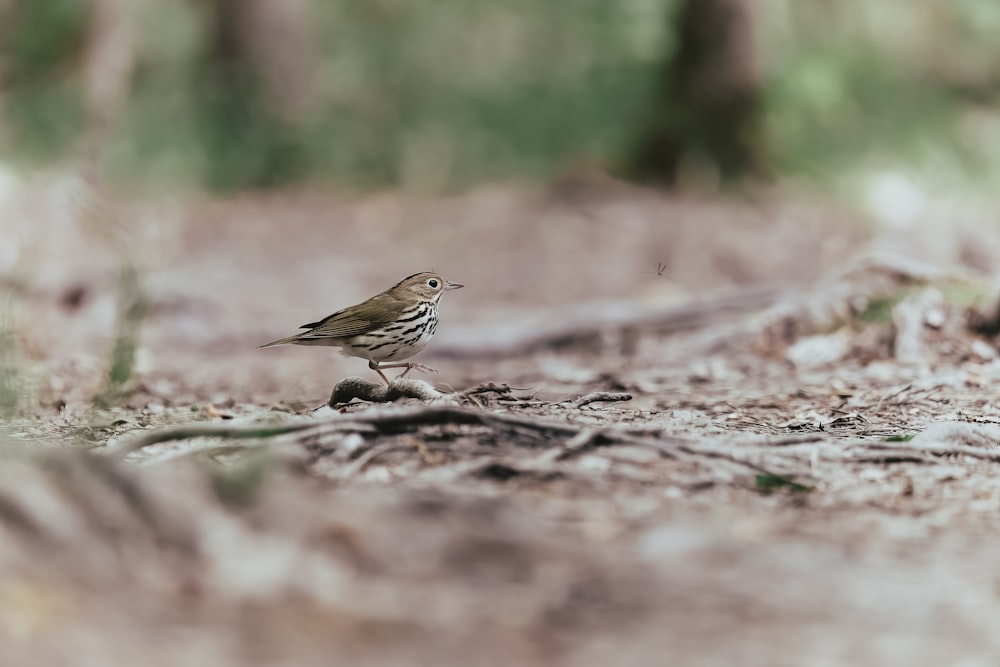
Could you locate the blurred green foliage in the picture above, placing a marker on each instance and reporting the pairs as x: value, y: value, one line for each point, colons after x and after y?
x: 132, y: 310
x: 10, y: 381
x: 41, y: 104
x: 440, y: 95
x: 888, y: 84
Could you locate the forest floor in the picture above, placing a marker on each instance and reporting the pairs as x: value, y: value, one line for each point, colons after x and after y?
x: 729, y: 433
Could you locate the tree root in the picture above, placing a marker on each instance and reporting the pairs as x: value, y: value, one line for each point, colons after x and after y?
x: 524, y: 432
x: 354, y: 387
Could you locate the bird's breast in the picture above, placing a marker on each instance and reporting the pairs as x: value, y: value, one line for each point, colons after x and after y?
x: 400, y: 339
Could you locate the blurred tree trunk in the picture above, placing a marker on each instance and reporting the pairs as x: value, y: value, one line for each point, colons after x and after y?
x: 108, y: 64
x: 257, y: 87
x: 270, y: 41
x: 709, y: 100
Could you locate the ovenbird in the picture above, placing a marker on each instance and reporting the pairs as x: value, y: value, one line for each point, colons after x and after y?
x: 390, y: 326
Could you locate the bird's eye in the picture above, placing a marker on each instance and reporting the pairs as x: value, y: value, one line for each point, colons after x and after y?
x: 433, y: 282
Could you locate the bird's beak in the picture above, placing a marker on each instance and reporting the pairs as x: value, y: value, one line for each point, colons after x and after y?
x: 450, y: 285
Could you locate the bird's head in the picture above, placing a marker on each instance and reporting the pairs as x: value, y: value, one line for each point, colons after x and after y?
x: 425, y: 286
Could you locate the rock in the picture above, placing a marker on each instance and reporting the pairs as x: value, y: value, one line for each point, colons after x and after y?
x: 815, y: 351
x: 983, y: 350
x: 911, y: 316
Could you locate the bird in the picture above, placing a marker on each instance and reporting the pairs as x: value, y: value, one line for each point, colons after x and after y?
x: 390, y: 326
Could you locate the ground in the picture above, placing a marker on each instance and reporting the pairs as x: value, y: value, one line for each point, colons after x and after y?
x: 756, y: 432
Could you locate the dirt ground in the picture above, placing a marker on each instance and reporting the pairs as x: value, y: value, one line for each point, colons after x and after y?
x: 671, y: 431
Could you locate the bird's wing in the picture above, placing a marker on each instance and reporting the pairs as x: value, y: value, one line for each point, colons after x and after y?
x: 373, y: 314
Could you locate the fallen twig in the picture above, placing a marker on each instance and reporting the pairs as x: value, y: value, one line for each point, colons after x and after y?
x: 362, y: 461
x: 793, y: 440
x: 889, y: 456
x: 487, y: 388
x: 584, y: 439
x: 190, y: 431
x: 941, y: 450
x: 601, y: 397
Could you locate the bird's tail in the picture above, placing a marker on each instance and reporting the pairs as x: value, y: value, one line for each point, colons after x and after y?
x: 280, y: 341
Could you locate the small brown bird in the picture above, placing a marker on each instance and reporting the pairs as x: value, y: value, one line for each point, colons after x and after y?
x: 390, y: 326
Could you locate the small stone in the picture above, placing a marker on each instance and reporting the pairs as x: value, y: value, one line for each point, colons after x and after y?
x: 983, y: 350
x: 594, y: 463
x: 934, y: 318
x: 873, y: 475
x: 910, y: 316
x: 816, y: 351
x: 352, y: 442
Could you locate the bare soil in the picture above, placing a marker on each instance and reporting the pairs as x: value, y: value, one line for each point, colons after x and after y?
x: 670, y: 431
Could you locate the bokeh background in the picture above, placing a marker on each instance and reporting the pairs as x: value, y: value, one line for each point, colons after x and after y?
x: 617, y: 183
x: 227, y: 95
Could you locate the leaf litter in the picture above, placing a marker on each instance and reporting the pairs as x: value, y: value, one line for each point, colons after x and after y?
x: 754, y: 473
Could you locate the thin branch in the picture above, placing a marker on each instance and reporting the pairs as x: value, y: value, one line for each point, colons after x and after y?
x: 792, y: 440
x: 601, y: 397
x: 362, y: 461
x: 942, y: 450
x: 190, y: 431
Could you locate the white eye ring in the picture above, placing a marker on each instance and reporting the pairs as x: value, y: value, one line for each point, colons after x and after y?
x: 433, y: 283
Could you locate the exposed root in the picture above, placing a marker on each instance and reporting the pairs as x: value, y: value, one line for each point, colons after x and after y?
x: 355, y: 387
x: 524, y: 432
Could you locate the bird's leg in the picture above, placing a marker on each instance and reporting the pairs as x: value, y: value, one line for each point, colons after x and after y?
x: 375, y: 367
x: 418, y: 367
x: 409, y: 367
